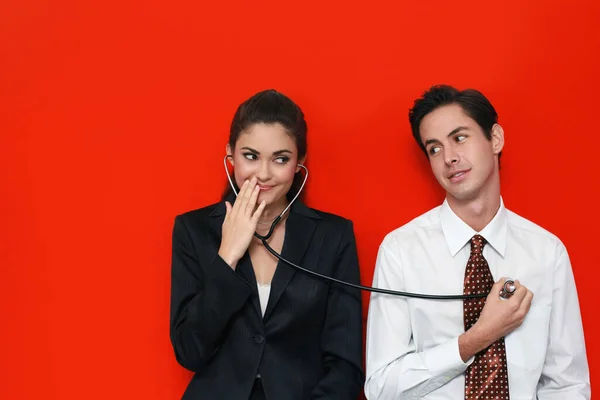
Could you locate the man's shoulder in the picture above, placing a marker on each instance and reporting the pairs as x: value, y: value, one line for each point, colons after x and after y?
x: 410, y: 230
x: 526, y: 229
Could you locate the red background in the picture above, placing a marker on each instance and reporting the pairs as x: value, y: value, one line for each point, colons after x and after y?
x: 114, y: 118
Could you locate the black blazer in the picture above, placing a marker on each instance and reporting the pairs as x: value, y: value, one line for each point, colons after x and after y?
x: 309, y: 343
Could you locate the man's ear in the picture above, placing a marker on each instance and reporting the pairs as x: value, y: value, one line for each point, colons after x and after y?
x: 497, y: 138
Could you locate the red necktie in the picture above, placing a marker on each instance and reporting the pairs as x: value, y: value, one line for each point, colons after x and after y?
x: 487, y: 377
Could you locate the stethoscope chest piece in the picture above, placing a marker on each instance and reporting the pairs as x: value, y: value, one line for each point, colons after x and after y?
x: 507, y: 289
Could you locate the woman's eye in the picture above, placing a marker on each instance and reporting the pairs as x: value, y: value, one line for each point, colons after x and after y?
x: 282, y: 160
x: 434, y: 150
x: 250, y: 156
x: 460, y: 138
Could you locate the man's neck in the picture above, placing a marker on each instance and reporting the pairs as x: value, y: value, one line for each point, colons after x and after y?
x: 478, y: 212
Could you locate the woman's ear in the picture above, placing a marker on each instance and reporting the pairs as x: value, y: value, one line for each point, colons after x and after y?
x: 228, y: 152
x: 301, y: 161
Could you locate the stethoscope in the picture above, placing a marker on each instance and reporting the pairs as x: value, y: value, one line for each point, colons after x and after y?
x: 507, y: 290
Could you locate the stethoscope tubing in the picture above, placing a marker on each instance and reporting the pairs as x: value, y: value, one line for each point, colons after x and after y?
x: 506, y: 292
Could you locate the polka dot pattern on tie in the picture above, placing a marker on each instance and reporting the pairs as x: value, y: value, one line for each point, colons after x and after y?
x: 487, y: 377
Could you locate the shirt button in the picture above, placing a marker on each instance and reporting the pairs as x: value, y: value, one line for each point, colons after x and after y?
x: 259, y: 339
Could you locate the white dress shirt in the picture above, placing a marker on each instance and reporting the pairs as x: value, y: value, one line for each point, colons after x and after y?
x: 412, y: 344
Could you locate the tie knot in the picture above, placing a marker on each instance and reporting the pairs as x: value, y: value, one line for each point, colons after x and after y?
x: 477, y: 243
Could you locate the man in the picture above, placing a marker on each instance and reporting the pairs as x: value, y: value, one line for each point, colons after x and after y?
x: 523, y: 347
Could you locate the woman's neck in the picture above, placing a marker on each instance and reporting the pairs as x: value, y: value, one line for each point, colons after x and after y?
x: 272, y: 211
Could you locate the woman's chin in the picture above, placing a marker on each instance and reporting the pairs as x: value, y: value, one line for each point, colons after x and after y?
x: 271, y: 198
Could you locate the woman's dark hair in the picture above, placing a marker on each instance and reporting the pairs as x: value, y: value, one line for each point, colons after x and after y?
x: 271, y: 107
x: 473, y: 103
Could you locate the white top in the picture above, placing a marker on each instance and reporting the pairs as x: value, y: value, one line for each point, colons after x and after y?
x: 263, y: 295
x: 412, y: 344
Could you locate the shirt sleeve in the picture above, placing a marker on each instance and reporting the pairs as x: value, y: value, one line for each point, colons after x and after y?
x: 565, y: 374
x: 395, y: 369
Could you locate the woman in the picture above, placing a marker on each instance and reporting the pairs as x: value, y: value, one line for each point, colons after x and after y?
x: 251, y: 327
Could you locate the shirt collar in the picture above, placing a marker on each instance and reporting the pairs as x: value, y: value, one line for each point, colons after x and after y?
x: 457, y: 233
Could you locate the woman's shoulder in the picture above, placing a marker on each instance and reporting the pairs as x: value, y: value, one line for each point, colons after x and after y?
x: 203, y: 213
x: 331, y: 218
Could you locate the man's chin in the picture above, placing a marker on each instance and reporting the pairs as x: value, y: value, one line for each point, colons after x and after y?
x: 462, y: 195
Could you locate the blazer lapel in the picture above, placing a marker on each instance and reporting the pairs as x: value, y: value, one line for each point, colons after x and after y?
x: 244, y: 265
x: 298, y: 234
x: 245, y: 268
